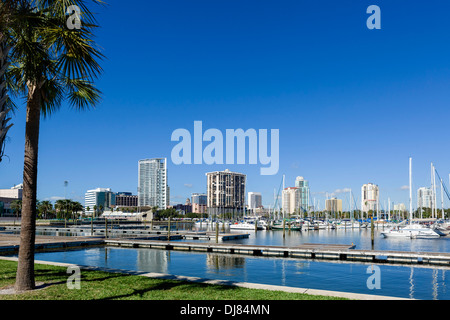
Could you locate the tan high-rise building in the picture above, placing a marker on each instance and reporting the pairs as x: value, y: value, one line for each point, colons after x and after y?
x: 333, y: 205
x: 291, y: 200
x: 225, y: 192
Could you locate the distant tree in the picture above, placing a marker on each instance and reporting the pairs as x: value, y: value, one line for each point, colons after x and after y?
x: 44, y: 207
x: 16, y: 206
x: 77, y: 207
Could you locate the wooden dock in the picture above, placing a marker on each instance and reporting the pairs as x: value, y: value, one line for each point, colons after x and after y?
x: 304, y: 251
x: 154, y: 234
x: 9, y: 244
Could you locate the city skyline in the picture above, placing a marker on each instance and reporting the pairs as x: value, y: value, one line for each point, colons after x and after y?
x: 351, y: 104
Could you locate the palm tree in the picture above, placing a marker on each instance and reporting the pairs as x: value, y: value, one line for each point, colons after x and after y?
x: 16, y: 206
x: 6, y: 104
x: 60, y: 206
x: 44, y: 207
x: 76, y: 207
x: 50, y: 63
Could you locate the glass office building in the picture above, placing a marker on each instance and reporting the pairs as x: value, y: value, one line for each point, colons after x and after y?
x: 103, y: 198
x: 303, y: 189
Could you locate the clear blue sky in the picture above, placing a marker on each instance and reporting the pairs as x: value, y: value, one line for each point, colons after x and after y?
x: 352, y: 104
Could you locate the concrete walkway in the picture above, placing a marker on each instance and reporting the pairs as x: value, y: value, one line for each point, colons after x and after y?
x: 353, y: 296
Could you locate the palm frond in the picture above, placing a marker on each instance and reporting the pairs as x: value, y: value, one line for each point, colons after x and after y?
x: 82, y: 94
x: 62, y: 62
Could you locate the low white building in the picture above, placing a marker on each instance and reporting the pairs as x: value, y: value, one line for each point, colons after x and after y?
x: 103, y: 197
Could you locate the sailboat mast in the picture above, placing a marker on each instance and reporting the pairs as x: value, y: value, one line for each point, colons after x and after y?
x: 350, y: 204
x: 282, y: 198
x: 389, y: 209
x: 442, y: 199
x: 434, y: 193
x: 410, y: 190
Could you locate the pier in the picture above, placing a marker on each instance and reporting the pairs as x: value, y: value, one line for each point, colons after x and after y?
x: 9, y: 244
x: 303, y: 251
x: 149, y: 234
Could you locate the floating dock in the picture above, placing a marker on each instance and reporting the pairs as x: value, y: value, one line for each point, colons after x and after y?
x: 304, y: 251
x: 155, y: 234
x: 9, y: 244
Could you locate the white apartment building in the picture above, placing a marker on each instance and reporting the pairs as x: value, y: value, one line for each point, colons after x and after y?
x: 152, y: 183
x: 401, y: 207
x: 370, y: 197
x: 425, y: 198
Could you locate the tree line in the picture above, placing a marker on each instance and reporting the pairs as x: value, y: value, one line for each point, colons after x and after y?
x: 62, y: 209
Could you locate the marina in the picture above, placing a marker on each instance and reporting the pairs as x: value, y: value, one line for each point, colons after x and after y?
x: 407, y: 281
x: 308, y: 258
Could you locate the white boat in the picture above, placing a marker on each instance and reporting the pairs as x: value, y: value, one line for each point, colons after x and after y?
x: 263, y: 224
x: 320, y: 224
x: 308, y: 225
x: 245, y: 226
x: 348, y: 225
x: 412, y: 231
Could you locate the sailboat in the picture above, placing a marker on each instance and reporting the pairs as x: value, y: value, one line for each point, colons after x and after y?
x: 412, y: 231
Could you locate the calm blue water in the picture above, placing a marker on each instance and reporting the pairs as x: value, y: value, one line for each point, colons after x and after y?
x: 400, y: 281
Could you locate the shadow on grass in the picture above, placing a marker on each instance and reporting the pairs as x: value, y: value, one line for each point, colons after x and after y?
x: 167, y: 284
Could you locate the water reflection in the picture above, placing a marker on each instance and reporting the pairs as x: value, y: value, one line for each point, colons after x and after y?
x: 219, y: 262
x: 401, y: 281
x: 153, y: 260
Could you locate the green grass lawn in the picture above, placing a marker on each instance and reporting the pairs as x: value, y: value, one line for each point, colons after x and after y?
x: 100, y: 285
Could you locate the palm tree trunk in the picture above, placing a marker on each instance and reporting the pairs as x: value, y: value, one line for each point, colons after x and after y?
x: 25, y: 268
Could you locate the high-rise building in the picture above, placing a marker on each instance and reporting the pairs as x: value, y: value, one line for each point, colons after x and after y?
x: 103, y: 197
x: 199, y: 202
x: 254, y: 200
x: 290, y: 200
x: 400, y: 207
x: 425, y: 198
x: 303, y: 189
x: 370, y: 194
x: 152, y: 183
x: 225, y: 192
x: 333, y: 205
